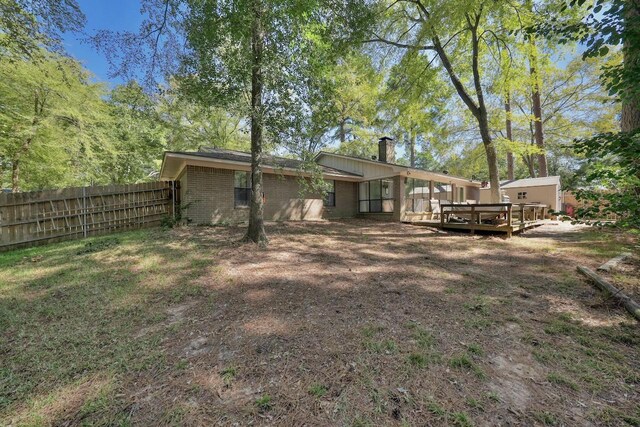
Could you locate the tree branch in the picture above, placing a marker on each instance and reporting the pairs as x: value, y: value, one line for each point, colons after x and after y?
x: 378, y: 39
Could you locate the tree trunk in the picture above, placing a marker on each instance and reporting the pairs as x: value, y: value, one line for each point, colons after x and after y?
x: 15, y: 176
x: 255, y: 231
x: 478, y: 110
x: 492, y: 158
x: 510, y: 160
x: 412, y: 149
x: 529, y: 161
x: 630, y: 118
x: 537, y: 107
x: 342, y: 132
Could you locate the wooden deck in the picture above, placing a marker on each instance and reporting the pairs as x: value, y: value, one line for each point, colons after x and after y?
x: 501, y: 217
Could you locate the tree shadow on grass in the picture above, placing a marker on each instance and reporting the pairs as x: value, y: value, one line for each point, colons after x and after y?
x: 142, y: 332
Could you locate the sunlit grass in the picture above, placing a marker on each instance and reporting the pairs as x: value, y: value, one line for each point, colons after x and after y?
x: 69, y: 314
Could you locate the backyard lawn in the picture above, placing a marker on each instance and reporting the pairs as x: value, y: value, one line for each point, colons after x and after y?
x: 342, y: 323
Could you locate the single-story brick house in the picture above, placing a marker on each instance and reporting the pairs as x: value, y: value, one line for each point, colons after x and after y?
x: 214, y: 185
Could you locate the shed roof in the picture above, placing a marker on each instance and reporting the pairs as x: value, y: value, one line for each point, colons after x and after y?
x: 531, y: 182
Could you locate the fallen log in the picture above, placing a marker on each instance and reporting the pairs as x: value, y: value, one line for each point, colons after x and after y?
x: 631, y: 306
x: 613, y: 262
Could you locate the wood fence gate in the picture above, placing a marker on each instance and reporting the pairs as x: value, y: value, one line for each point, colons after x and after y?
x: 32, y: 218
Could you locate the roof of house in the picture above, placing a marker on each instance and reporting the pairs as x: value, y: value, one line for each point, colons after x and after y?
x: 531, y: 182
x: 267, y: 160
x: 390, y: 164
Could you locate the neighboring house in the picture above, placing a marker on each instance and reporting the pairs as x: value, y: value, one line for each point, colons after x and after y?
x: 215, y: 187
x: 544, y: 190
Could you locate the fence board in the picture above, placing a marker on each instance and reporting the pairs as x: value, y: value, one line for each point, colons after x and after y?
x: 39, y: 217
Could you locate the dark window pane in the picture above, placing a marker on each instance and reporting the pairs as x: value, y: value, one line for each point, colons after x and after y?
x: 330, y: 199
x: 241, y: 196
x: 375, y: 205
x: 374, y: 189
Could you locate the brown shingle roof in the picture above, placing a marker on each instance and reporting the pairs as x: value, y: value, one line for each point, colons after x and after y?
x: 267, y: 160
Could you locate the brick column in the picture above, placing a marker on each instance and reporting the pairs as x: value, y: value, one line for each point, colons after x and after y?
x: 398, y: 198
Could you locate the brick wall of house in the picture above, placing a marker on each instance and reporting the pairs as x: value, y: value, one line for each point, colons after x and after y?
x: 210, y: 197
x: 208, y: 194
x: 346, y: 201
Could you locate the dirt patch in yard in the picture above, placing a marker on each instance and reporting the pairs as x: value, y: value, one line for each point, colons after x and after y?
x: 370, y: 323
x: 373, y: 323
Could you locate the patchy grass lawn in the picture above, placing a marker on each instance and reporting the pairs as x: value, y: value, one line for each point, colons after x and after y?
x: 343, y: 323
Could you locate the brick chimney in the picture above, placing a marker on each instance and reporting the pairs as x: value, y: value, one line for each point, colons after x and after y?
x: 386, y: 150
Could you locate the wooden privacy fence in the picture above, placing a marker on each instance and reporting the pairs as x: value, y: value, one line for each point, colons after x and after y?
x: 44, y: 216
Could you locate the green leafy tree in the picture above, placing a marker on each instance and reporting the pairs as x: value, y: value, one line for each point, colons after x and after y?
x: 603, y: 27
x: 250, y: 56
x: 414, y: 105
x: 342, y: 102
x: 356, y: 88
x: 453, y: 33
x: 138, y: 134
x: 53, y: 123
x: 190, y: 125
x: 26, y: 26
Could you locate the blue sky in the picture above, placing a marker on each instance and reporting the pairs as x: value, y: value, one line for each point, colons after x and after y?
x: 115, y: 15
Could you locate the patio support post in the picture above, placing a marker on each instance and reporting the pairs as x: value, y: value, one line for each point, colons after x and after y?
x: 398, y: 199
x: 431, y: 195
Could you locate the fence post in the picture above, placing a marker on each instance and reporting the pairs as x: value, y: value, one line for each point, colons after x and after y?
x: 84, y: 212
x: 63, y: 214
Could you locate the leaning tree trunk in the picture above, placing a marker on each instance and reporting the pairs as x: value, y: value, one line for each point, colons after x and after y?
x: 510, y: 159
x: 537, y: 107
x: 478, y: 110
x: 256, y: 232
x: 492, y: 158
x: 630, y: 118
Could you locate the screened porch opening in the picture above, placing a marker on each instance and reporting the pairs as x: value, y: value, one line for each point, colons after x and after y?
x: 375, y: 196
x: 417, y: 195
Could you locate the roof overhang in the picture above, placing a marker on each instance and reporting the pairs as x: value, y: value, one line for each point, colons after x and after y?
x: 439, y: 177
x: 173, y: 165
x: 407, y: 171
x: 519, y: 187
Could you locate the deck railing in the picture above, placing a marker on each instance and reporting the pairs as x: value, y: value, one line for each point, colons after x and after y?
x: 502, y: 214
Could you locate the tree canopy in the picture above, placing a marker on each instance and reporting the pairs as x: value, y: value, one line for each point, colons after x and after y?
x: 477, y: 88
